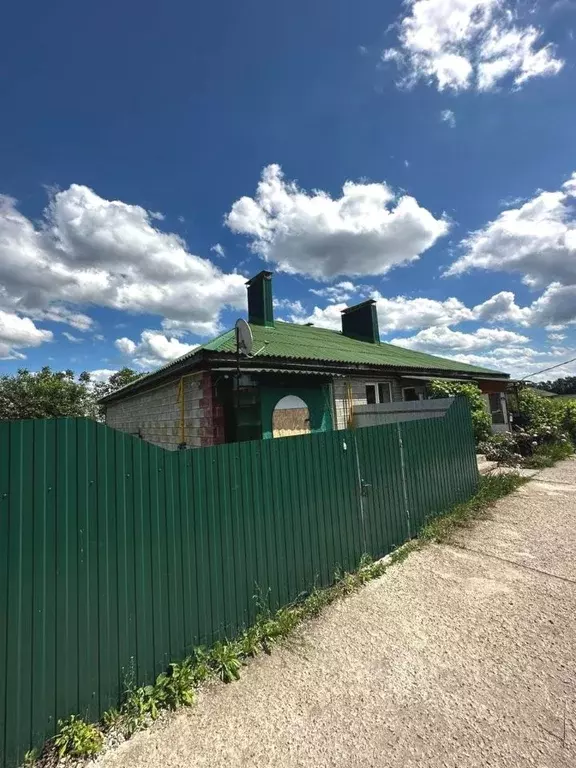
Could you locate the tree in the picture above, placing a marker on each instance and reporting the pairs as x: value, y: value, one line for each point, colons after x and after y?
x: 481, y: 420
x: 115, y: 381
x: 563, y: 386
x: 50, y: 394
x: 44, y: 395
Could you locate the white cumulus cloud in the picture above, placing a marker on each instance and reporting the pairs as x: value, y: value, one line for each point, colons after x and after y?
x: 464, y: 44
x: 89, y: 251
x: 536, y: 239
x: 338, y: 292
x: 522, y: 361
x: 443, y: 339
x: 401, y: 313
x: 367, y: 231
x: 153, y: 350
x: 101, y: 375
x: 502, y: 308
x: 17, y: 333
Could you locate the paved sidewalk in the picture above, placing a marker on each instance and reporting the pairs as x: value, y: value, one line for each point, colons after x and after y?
x: 462, y: 656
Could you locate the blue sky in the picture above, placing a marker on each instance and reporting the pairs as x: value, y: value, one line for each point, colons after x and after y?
x: 153, y: 157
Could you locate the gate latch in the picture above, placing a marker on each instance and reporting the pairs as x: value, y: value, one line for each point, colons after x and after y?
x: 365, y: 486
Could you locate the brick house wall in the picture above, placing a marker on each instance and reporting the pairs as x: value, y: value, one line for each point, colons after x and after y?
x: 155, y: 415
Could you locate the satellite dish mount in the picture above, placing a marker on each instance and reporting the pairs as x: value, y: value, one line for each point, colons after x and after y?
x: 244, y: 338
x: 244, y: 344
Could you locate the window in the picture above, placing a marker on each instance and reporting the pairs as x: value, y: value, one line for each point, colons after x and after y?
x: 496, y: 408
x: 384, y: 392
x: 409, y: 394
x: 379, y: 393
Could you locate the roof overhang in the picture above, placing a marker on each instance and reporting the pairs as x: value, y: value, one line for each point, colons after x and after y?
x: 471, y: 377
x: 219, y: 361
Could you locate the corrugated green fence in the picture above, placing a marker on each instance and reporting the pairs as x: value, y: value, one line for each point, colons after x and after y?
x: 117, y: 556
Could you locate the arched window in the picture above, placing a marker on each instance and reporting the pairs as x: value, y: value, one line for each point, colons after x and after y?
x: 290, y: 417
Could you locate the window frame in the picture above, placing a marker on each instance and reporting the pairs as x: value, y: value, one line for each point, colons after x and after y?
x: 377, y: 385
x: 417, y: 398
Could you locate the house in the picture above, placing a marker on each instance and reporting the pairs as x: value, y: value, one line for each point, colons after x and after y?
x: 298, y: 378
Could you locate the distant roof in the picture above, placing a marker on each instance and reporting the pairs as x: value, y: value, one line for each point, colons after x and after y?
x: 543, y: 392
x: 290, y: 341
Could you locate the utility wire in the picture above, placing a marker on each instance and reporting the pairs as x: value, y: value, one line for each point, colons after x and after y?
x: 544, y: 370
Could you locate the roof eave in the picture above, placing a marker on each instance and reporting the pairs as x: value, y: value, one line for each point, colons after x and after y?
x: 216, y: 359
x: 345, y: 367
x: 141, y: 385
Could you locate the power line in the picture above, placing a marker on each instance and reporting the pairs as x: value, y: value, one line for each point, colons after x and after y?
x: 545, y: 370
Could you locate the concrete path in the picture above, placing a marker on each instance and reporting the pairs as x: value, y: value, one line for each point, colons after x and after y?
x: 463, y: 655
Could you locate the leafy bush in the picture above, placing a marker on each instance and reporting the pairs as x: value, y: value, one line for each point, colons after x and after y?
x: 547, y: 455
x: 504, y: 449
x: 539, y: 416
x: 77, y: 738
x: 481, y: 419
x: 568, y: 417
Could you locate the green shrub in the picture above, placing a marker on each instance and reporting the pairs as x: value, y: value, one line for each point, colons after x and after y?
x: 481, y: 420
x: 539, y: 416
x: 547, y: 455
x: 568, y: 417
x: 77, y: 738
x: 503, y: 449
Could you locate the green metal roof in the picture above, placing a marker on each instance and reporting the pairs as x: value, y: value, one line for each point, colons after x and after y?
x: 304, y: 342
x: 307, y: 343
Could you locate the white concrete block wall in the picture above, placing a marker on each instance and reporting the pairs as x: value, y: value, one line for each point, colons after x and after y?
x: 155, y: 414
x: 358, y: 387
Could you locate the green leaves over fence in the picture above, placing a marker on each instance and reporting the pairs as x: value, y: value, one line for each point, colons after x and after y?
x: 117, y: 556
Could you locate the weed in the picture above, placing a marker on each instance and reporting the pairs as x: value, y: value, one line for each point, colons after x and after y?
x: 251, y: 642
x: 30, y: 758
x: 348, y: 583
x: 317, y: 600
x: 225, y: 661
x: 139, y: 709
x: 111, y: 719
x: 175, y: 687
x: 201, y: 665
x: 490, y: 489
x: 77, y: 738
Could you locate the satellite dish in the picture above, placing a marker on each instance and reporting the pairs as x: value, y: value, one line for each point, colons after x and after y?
x: 244, y: 338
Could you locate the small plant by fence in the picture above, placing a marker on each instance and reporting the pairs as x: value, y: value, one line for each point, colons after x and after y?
x: 117, y: 557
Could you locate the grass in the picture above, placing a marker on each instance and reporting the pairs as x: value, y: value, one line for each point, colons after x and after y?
x: 490, y: 489
x: 177, y: 686
x: 547, y: 455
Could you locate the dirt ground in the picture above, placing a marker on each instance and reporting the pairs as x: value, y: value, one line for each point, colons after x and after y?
x: 464, y: 655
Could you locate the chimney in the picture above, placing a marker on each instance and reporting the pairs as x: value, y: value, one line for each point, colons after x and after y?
x: 260, y: 310
x: 361, y: 322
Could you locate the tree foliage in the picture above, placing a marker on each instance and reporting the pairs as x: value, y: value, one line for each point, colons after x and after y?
x: 545, y: 416
x: 563, y: 386
x: 481, y: 419
x: 44, y: 395
x: 48, y: 394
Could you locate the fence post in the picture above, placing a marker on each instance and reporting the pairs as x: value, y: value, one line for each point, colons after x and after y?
x: 360, y: 493
x: 404, y: 486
